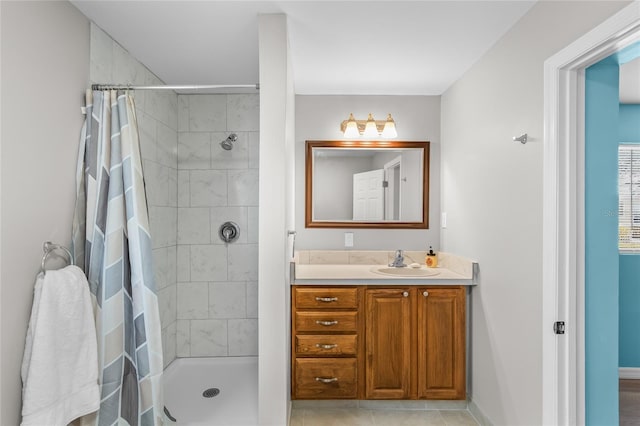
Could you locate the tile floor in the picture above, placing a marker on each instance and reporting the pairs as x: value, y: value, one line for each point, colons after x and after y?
x: 367, y: 417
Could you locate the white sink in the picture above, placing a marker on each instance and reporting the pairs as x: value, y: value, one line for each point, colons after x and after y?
x: 405, y: 272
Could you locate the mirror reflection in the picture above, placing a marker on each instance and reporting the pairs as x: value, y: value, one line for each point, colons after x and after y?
x: 367, y: 184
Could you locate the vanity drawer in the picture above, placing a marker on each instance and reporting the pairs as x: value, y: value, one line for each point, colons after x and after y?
x: 327, y: 345
x: 326, y: 298
x: 326, y: 321
x: 325, y: 378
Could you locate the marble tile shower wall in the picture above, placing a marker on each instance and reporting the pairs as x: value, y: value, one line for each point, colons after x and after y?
x: 217, y: 305
x: 157, y: 127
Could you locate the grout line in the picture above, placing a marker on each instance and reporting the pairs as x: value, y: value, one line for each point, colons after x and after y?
x: 473, y: 417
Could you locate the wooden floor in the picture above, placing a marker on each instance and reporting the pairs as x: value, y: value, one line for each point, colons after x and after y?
x: 629, y: 402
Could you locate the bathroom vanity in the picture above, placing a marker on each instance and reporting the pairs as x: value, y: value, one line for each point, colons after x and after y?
x: 357, y: 333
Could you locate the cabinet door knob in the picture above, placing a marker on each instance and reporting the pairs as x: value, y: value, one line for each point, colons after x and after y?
x: 326, y: 345
x: 425, y: 294
x: 326, y: 323
x: 326, y: 379
x: 405, y: 294
x: 326, y: 299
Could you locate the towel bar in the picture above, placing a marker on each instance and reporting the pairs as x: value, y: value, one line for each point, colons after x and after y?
x: 49, y: 247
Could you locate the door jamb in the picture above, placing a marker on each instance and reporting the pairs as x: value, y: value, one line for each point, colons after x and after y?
x: 563, y: 357
x: 396, y: 162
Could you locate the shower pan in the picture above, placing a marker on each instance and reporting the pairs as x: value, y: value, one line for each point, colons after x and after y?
x: 190, y: 386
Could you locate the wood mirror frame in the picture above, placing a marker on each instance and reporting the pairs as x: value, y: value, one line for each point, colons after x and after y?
x: 309, y: 220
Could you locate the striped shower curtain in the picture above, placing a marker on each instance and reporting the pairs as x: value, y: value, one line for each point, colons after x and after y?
x: 112, y: 244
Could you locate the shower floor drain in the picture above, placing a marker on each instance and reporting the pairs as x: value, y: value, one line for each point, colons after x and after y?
x: 211, y: 392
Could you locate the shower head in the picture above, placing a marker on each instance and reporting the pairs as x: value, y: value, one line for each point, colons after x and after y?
x: 227, y: 144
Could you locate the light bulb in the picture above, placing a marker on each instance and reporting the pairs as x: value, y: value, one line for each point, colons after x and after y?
x: 351, y: 129
x: 389, y: 131
x: 370, y: 129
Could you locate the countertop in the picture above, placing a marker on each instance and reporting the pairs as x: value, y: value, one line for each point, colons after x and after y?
x: 327, y: 274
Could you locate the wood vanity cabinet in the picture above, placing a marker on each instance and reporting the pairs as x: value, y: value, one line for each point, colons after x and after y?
x: 373, y: 342
x: 326, y: 342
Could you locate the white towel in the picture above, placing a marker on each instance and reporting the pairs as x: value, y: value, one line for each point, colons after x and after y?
x: 60, y: 364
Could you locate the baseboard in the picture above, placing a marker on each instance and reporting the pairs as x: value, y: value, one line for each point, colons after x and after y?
x: 629, y: 372
x: 482, y: 419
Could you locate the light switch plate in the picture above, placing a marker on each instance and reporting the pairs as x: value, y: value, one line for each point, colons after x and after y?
x: 443, y: 220
x: 348, y: 239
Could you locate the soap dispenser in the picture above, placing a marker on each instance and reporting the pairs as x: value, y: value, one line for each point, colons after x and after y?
x: 432, y: 258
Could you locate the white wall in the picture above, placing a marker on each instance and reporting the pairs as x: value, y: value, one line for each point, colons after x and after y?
x: 492, y: 193
x: 410, y: 208
x: 45, y: 71
x: 333, y: 186
x: 417, y: 119
x: 276, y: 146
x: 630, y: 83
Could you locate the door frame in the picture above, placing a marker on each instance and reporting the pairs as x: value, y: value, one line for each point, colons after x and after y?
x: 563, y: 357
x: 389, y: 200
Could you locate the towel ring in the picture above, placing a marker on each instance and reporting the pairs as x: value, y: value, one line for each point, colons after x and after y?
x: 49, y: 247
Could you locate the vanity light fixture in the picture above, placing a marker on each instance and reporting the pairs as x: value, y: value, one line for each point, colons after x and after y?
x: 369, y: 128
x: 350, y: 128
x: 389, y: 130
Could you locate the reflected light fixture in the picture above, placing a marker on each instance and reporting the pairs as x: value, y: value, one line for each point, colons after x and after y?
x: 369, y: 128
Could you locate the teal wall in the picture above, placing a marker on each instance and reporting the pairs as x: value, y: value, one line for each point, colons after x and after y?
x: 629, y: 310
x: 606, y: 122
x: 629, y: 263
x: 601, y: 242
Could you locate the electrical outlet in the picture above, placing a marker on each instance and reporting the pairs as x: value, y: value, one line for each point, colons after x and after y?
x: 348, y: 239
x: 443, y: 220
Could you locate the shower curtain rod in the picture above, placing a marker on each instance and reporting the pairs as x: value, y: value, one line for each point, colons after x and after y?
x: 179, y: 87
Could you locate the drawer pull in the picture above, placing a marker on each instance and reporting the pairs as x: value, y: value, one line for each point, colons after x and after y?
x: 405, y: 294
x: 326, y: 299
x: 326, y: 379
x: 425, y: 294
x: 326, y: 323
x: 326, y: 345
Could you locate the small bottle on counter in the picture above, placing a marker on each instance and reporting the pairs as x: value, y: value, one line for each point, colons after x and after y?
x: 432, y: 258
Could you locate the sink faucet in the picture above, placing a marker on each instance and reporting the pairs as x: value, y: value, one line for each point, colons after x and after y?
x: 398, y: 262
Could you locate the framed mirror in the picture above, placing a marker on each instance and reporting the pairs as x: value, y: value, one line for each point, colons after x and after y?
x: 367, y: 184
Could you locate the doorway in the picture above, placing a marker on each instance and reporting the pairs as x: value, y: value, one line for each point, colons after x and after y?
x: 564, y: 389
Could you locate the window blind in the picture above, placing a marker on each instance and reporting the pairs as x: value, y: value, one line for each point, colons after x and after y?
x: 629, y: 198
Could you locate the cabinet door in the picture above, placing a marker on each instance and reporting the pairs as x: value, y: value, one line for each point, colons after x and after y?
x: 441, y: 343
x: 388, y: 343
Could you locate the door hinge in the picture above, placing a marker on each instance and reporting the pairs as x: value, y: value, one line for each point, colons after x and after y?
x: 558, y: 327
x: 385, y: 183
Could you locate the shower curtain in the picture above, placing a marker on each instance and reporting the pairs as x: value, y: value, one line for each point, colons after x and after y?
x: 112, y: 244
